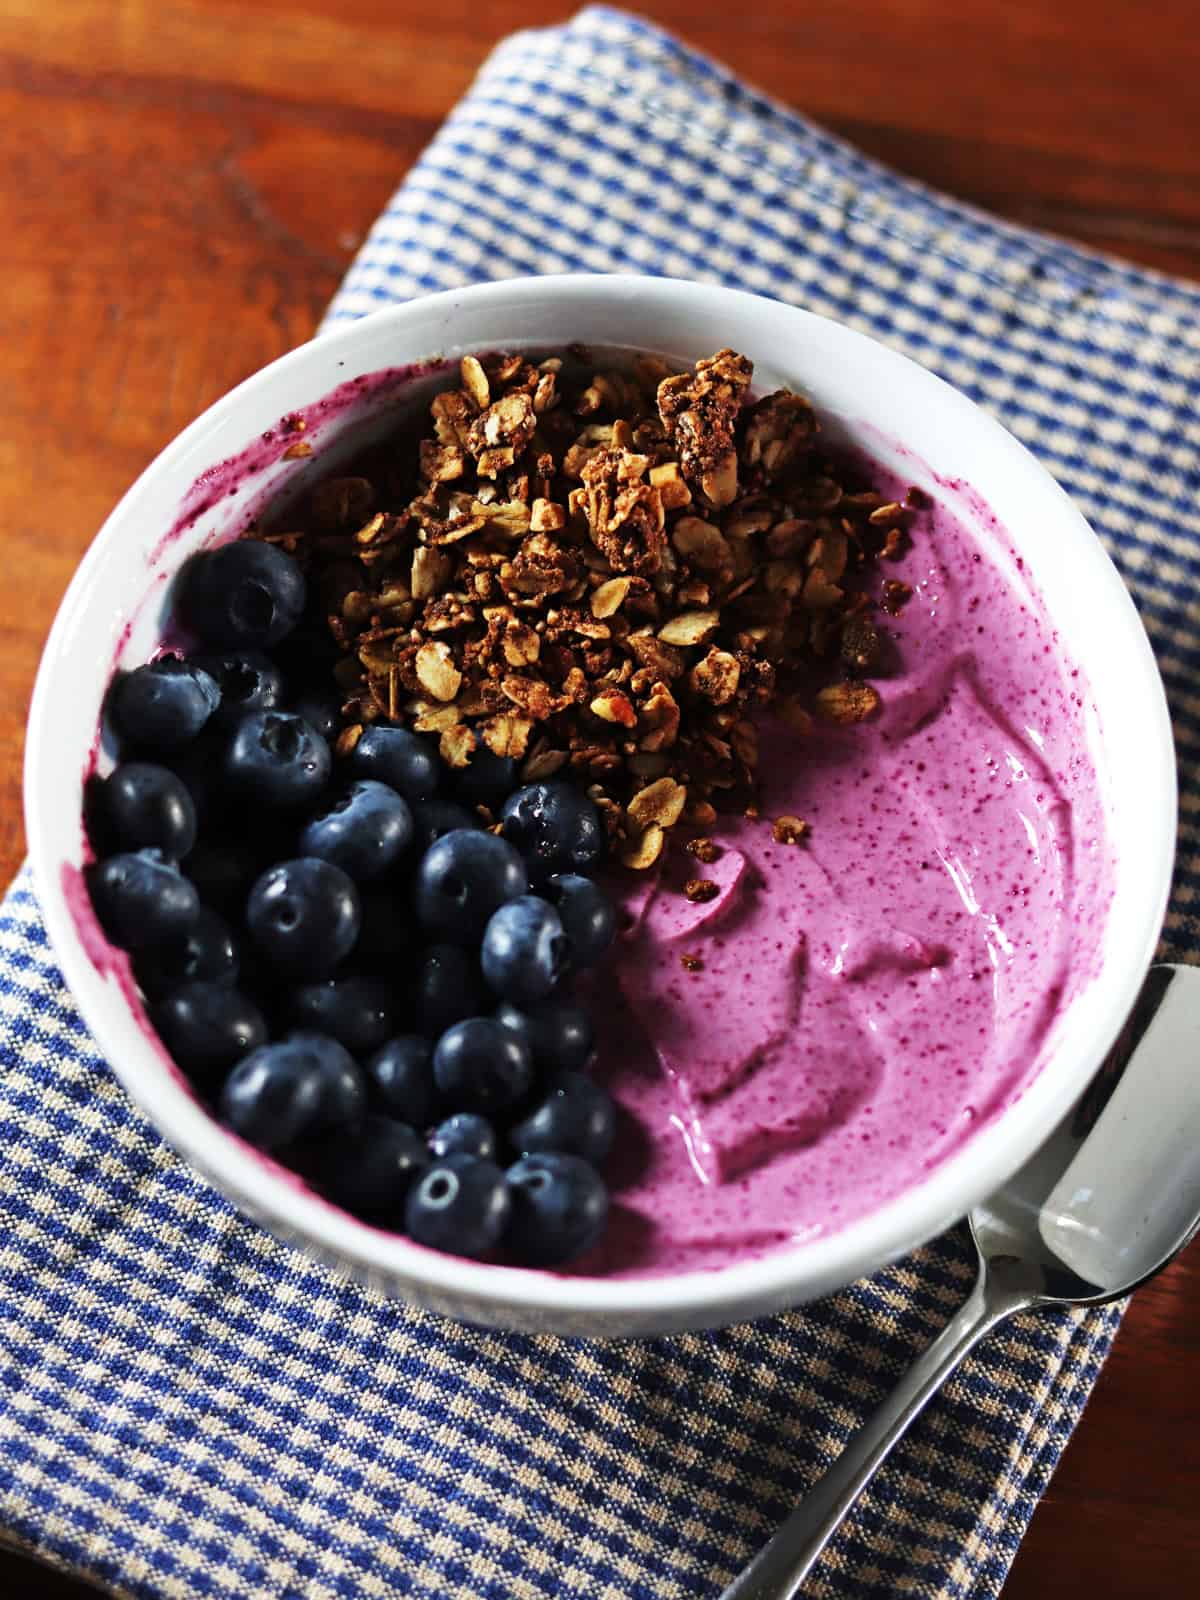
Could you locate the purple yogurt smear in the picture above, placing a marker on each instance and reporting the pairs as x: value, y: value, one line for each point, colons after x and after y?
x: 237, y: 475
x: 870, y: 997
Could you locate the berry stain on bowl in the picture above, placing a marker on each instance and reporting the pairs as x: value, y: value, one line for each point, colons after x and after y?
x: 607, y: 828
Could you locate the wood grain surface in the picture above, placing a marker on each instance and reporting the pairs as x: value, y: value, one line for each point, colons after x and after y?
x: 184, y: 183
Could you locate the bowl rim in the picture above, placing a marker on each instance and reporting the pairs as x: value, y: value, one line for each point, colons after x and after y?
x: 786, y: 1275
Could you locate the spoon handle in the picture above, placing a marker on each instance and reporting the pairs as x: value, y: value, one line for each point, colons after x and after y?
x: 782, y: 1565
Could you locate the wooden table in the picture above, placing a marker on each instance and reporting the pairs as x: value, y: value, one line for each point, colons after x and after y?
x: 184, y: 184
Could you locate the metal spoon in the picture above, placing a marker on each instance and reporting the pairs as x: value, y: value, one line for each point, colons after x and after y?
x: 1109, y: 1200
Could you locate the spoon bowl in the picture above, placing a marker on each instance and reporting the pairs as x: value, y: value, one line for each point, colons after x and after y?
x: 1108, y: 1201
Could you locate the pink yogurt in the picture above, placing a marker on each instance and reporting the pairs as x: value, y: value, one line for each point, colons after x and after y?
x: 869, y: 997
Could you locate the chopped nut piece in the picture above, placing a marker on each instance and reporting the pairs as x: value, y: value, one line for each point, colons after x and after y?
x: 661, y: 802
x: 506, y: 427
x: 441, y: 463
x: 506, y: 736
x: 624, y: 515
x: 658, y: 721
x: 895, y: 595
x: 475, y: 382
x: 544, y: 764
x: 704, y: 546
x: 521, y: 644
x: 690, y: 627
x: 788, y: 830
x: 716, y: 677
x: 295, y: 451
x: 672, y: 490
x: 430, y: 572
x: 436, y: 671
x: 457, y: 745
x: 860, y: 644
x: 884, y: 516
x: 847, y: 702
x: 546, y: 517
x: 698, y: 411
x: 613, y: 706
x: 700, y: 814
x: 642, y: 853
x: 706, y: 850
x: 348, y: 738
x: 436, y: 718
x: 608, y: 599
x: 701, y: 890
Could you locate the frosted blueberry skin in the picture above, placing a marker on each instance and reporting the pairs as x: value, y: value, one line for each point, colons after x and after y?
x: 245, y: 595
x: 462, y: 879
x: 142, y: 899
x: 559, y: 1208
x: 276, y: 760
x: 163, y: 705
x: 556, y: 828
x: 461, y: 1205
x: 365, y: 830
x: 143, y: 806
x: 303, y: 916
x: 525, y: 951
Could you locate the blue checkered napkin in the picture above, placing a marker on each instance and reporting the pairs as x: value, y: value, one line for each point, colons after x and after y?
x: 189, y: 1408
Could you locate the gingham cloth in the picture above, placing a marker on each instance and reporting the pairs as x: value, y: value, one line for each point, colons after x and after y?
x: 190, y: 1408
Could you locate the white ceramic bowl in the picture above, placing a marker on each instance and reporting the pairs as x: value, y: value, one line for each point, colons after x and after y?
x: 113, y: 613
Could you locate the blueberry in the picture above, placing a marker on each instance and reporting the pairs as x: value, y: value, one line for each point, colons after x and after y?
x: 343, y: 1098
x: 246, y: 594
x: 370, y: 1169
x: 525, y: 951
x: 433, y: 819
x: 460, y: 1205
x: 223, y: 871
x: 163, y: 705
x: 559, y: 1208
x: 401, y: 759
x: 560, y: 1037
x: 462, y: 880
x: 272, y: 1096
x: 322, y: 709
x: 248, y: 681
x: 447, y: 989
x: 303, y: 916
x: 208, y: 1027
x: 589, y: 917
x: 292, y: 1089
x: 486, y: 780
x: 464, y: 1134
x: 277, y: 760
x: 142, y: 899
x: 478, y: 1065
x: 140, y: 806
x: 388, y: 932
x: 576, y: 1116
x: 355, y: 1010
x: 364, y: 831
x: 207, y: 953
x: 401, y: 1074
x: 556, y: 829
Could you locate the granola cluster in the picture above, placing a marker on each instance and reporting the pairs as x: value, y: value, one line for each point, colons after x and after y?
x: 604, y: 575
